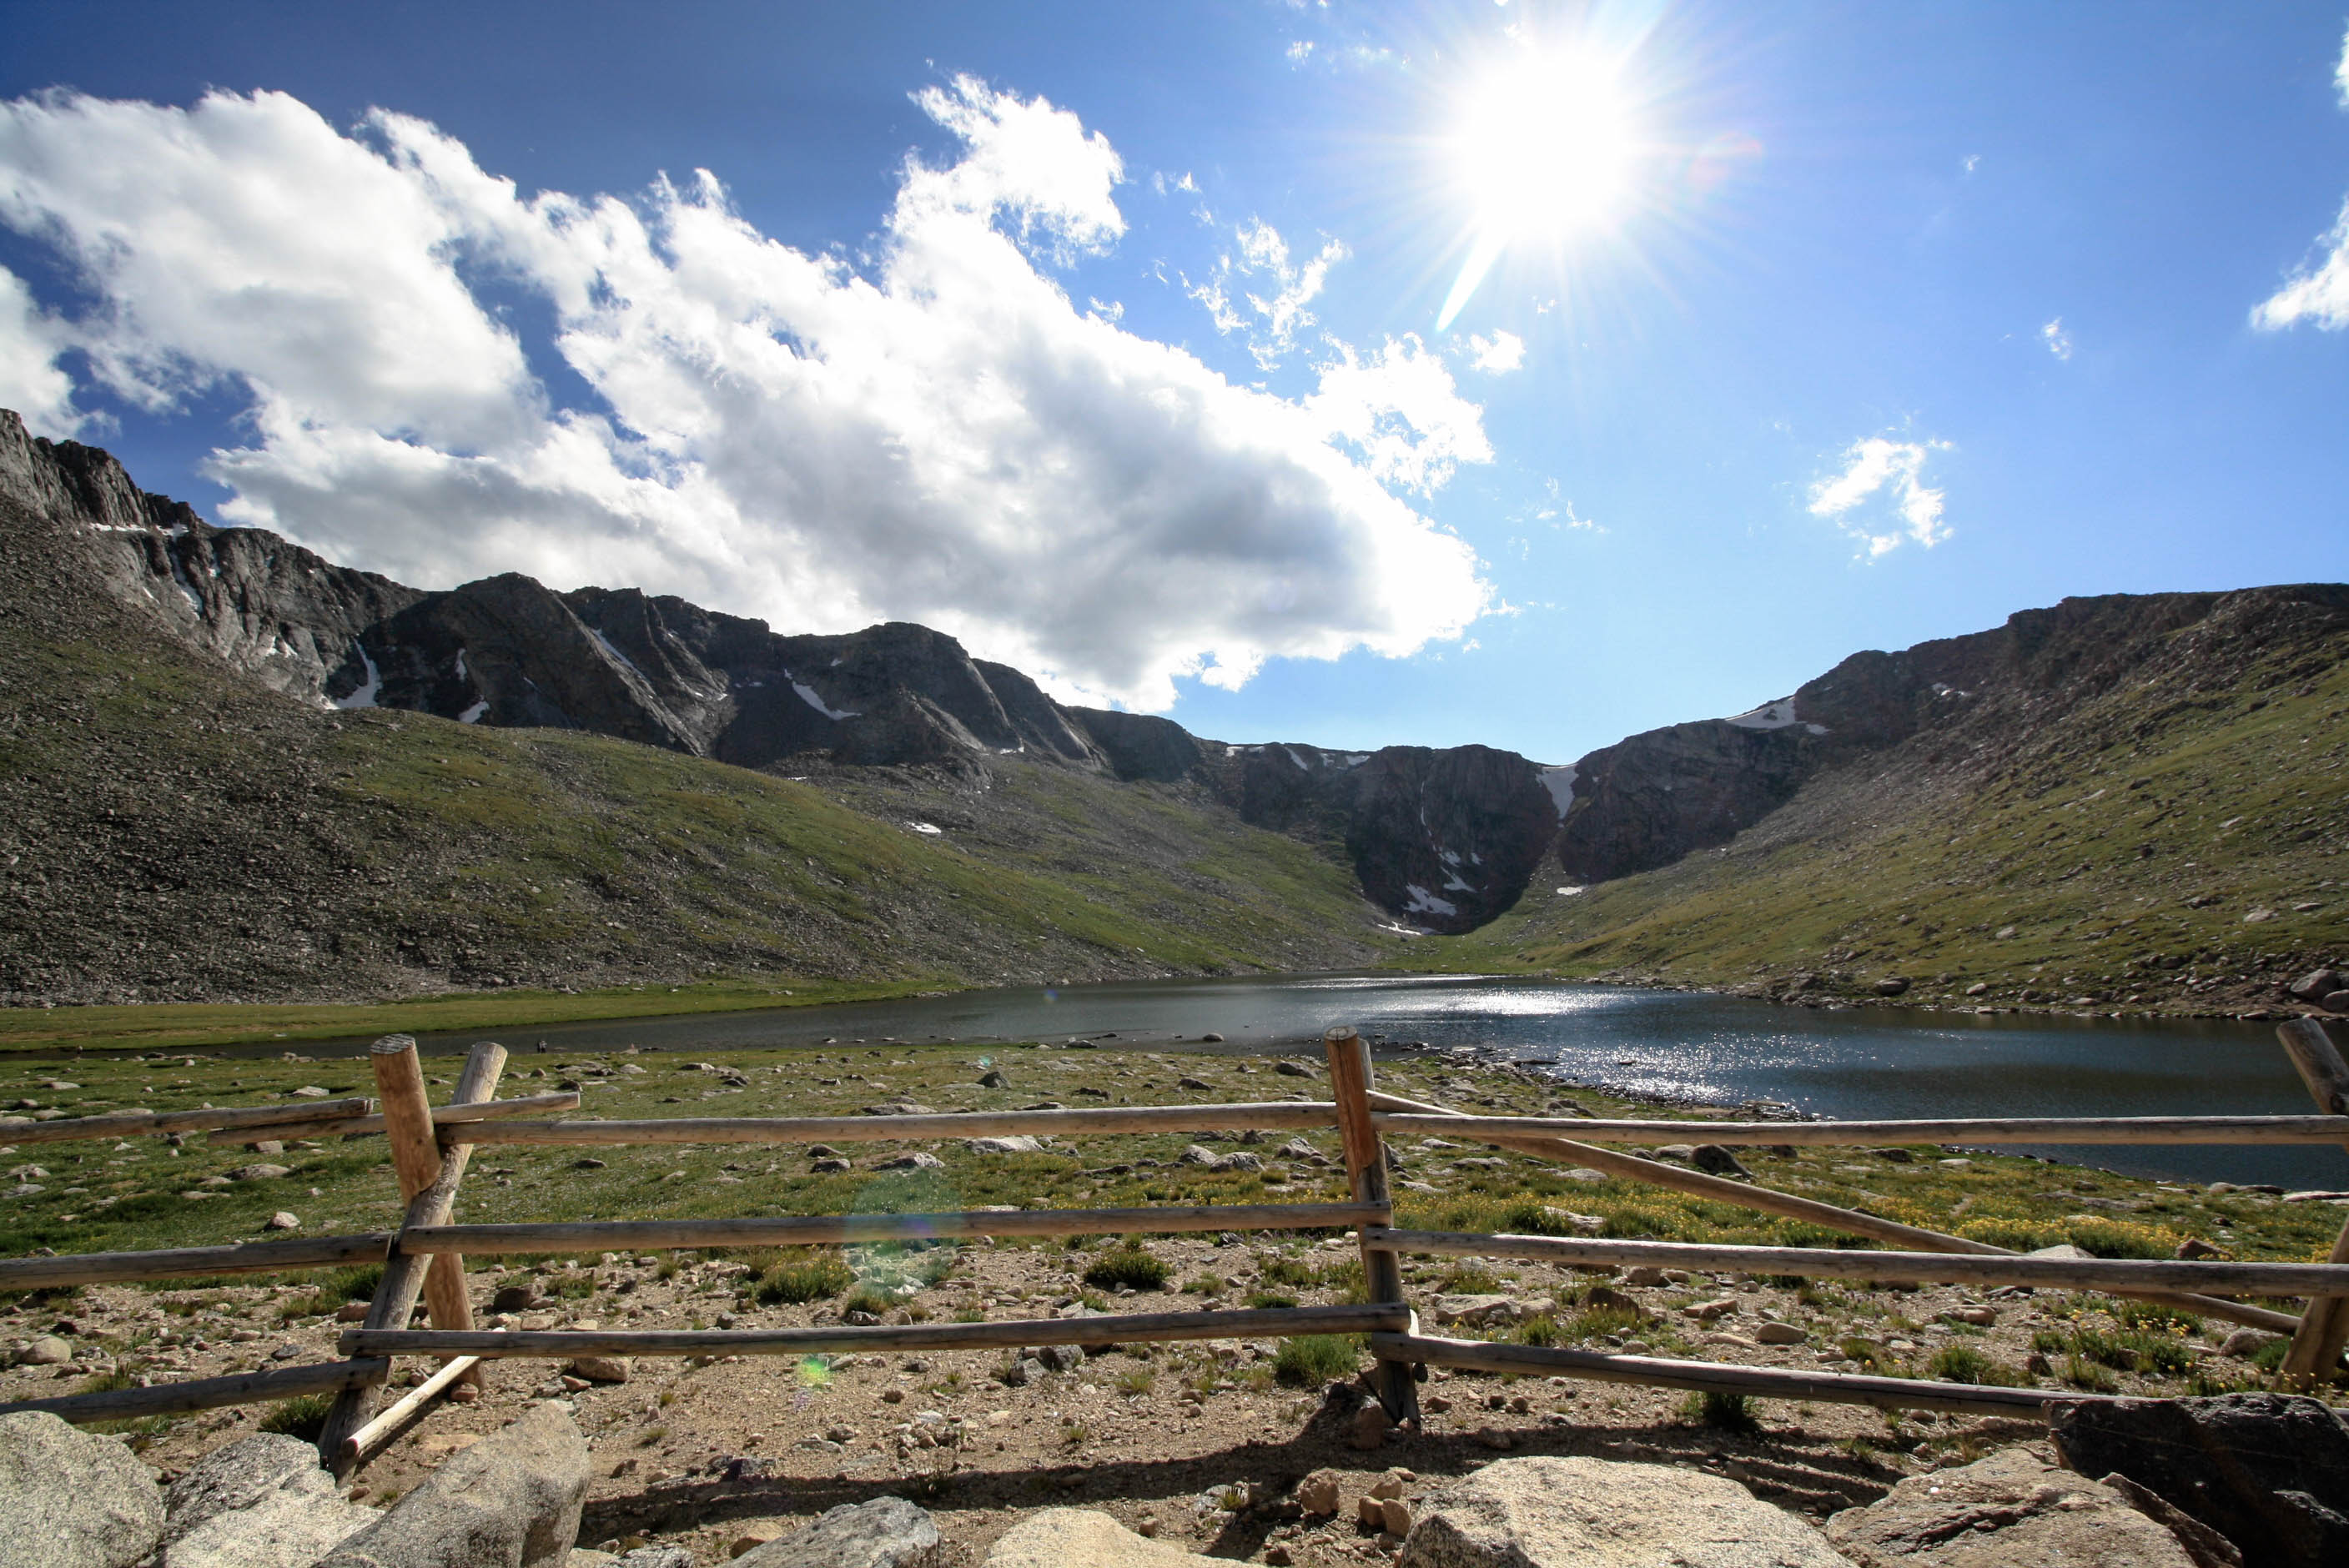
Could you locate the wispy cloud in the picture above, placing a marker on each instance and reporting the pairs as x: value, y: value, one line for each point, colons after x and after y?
x: 1498, y: 354
x: 1270, y: 320
x: 934, y: 433
x: 2319, y: 290
x: 1879, y: 496
x: 2058, y: 341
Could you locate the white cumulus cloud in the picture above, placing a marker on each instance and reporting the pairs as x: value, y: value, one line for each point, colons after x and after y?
x: 1400, y: 411
x: 940, y: 435
x: 30, y: 379
x: 2319, y: 290
x: 1498, y: 354
x: 1880, y: 497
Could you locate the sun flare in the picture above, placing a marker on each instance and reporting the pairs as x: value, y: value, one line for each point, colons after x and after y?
x: 1546, y: 145
x: 1547, y: 148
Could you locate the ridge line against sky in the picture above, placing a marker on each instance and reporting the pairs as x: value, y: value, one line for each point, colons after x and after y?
x: 1798, y: 331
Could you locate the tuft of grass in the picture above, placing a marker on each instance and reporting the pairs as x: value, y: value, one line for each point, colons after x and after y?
x: 1292, y: 1272
x: 811, y: 1276
x: 1205, y: 1285
x: 1599, y: 1322
x: 1539, y: 1329
x: 1271, y: 1299
x: 1964, y: 1364
x: 1129, y: 1266
x: 304, y: 1418
x: 2087, y: 1374
x: 1469, y: 1279
x: 867, y: 1299
x: 1310, y: 1359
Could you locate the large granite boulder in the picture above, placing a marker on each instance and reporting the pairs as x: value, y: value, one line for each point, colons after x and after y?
x: 1081, y: 1538
x: 2268, y: 1472
x: 887, y: 1532
x: 511, y: 1500
x: 69, y: 1500
x: 1601, y: 1513
x: 264, y: 1502
x: 2013, y: 1509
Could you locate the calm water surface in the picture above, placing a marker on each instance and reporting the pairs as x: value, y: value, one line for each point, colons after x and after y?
x: 1863, y: 1063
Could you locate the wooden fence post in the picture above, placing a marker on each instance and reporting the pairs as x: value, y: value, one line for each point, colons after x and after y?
x: 414, y: 1153
x: 1366, y: 1168
x: 2324, y: 1328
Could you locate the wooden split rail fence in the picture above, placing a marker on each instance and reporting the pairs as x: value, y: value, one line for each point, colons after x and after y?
x: 423, y: 1259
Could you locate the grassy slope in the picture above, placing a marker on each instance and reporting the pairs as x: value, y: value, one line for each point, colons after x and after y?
x: 2122, y: 849
x: 170, y: 833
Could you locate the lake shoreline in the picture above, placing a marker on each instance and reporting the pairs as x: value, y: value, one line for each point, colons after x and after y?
x: 33, y: 1030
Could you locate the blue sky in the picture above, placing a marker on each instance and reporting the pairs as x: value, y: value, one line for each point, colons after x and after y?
x: 1884, y: 323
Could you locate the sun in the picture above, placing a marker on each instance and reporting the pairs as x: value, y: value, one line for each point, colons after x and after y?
x: 1546, y: 147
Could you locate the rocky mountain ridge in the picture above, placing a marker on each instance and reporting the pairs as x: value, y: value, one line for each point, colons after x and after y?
x: 1442, y: 840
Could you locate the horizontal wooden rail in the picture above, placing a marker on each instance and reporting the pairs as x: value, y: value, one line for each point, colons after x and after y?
x: 1751, y: 1195
x: 1709, y: 1377
x: 209, y: 1393
x: 452, y: 1122
x: 193, y: 1262
x: 1272, y: 1115
x: 353, y: 1118
x: 1106, y: 1328
x: 2180, y: 1129
x: 829, y: 1229
x: 362, y: 1445
x: 137, y: 1123
x: 1961, y: 1268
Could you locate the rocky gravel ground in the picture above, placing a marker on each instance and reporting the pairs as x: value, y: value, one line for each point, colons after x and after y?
x: 1201, y: 1444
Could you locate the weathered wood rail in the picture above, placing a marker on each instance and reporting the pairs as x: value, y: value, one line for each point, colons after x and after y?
x: 423, y: 1259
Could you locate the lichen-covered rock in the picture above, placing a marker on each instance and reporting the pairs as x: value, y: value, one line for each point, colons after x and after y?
x: 2268, y: 1472
x: 1081, y: 1538
x: 264, y: 1502
x: 511, y: 1500
x: 2013, y: 1509
x: 887, y: 1532
x: 1602, y: 1513
x: 70, y: 1499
